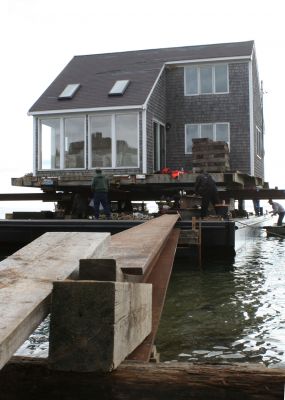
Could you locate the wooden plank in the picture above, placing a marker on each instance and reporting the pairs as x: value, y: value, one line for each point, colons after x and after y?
x: 26, y: 281
x: 135, y: 249
x: 26, y: 378
x: 96, y: 325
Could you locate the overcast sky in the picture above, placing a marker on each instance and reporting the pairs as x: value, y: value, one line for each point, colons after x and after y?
x: 39, y: 37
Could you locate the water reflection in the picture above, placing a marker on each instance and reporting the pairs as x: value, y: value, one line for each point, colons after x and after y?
x: 228, y: 312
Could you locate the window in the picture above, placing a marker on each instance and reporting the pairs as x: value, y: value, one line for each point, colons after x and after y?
x: 221, y: 78
x: 119, y: 88
x: 69, y: 91
x: 114, y: 141
x: 101, y: 141
x: 259, y: 142
x: 206, y: 79
x: 126, y: 140
x: 49, y: 140
x: 74, y: 142
x: 216, y: 132
x: 62, y: 143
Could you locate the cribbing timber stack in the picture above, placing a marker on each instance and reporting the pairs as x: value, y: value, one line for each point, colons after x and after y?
x: 193, y: 237
x: 210, y: 156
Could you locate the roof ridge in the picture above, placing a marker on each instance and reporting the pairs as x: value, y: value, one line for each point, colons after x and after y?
x: 166, y: 48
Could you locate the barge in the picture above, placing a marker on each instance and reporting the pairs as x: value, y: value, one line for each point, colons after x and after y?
x: 221, y: 238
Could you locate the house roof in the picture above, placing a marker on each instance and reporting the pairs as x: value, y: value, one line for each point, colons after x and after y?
x: 97, y: 73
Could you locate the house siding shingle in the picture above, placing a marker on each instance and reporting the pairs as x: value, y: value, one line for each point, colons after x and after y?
x: 232, y: 108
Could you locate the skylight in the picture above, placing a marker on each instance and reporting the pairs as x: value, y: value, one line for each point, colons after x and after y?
x: 69, y: 91
x: 119, y: 88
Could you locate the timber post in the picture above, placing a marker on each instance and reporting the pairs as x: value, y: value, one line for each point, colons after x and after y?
x: 95, y: 325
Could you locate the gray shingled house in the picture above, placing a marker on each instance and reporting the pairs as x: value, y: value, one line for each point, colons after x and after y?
x: 138, y: 111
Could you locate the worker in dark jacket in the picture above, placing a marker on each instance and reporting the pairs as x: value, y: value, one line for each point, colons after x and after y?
x: 100, y: 188
x: 205, y: 187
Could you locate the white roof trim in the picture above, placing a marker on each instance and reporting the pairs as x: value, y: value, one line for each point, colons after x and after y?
x: 154, y: 86
x: 85, y: 110
x: 203, y: 60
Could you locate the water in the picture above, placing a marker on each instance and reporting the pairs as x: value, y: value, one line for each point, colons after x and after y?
x: 225, y: 313
x: 228, y: 313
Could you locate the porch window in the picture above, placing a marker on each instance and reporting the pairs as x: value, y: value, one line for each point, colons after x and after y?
x: 114, y: 141
x: 62, y: 143
x: 126, y: 128
x: 49, y: 144
x: 215, y: 132
x: 101, y: 141
x: 74, y: 143
x: 206, y: 79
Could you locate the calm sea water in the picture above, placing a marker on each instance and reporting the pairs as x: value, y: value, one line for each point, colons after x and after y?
x: 224, y: 313
x: 228, y: 312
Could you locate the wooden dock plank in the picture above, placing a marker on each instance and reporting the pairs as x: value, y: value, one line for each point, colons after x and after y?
x: 26, y: 280
x: 135, y: 249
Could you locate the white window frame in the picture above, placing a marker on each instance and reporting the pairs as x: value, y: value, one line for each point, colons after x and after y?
x: 259, y: 142
x: 199, y: 93
x: 62, y: 146
x: 199, y: 132
x: 87, y: 137
x: 113, y: 137
x: 159, y: 123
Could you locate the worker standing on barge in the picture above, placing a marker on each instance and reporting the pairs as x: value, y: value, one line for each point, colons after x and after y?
x: 277, y: 209
x: 100, y: 188
x: 205, y: 186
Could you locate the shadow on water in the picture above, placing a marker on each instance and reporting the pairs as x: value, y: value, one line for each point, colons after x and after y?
x: 228, y: 312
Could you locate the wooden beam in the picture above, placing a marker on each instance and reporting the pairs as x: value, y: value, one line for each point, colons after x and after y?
x: 96, y: 325
x: 149, y: 381
x: 26, y: 280
x: 100, y: 269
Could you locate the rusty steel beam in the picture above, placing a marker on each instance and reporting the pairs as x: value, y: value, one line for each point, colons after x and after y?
x: 158, y: 276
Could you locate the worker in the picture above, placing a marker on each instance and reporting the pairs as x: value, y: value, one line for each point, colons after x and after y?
x: 100, y: 188
x: 277, y: 209
x: 205, y: 186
